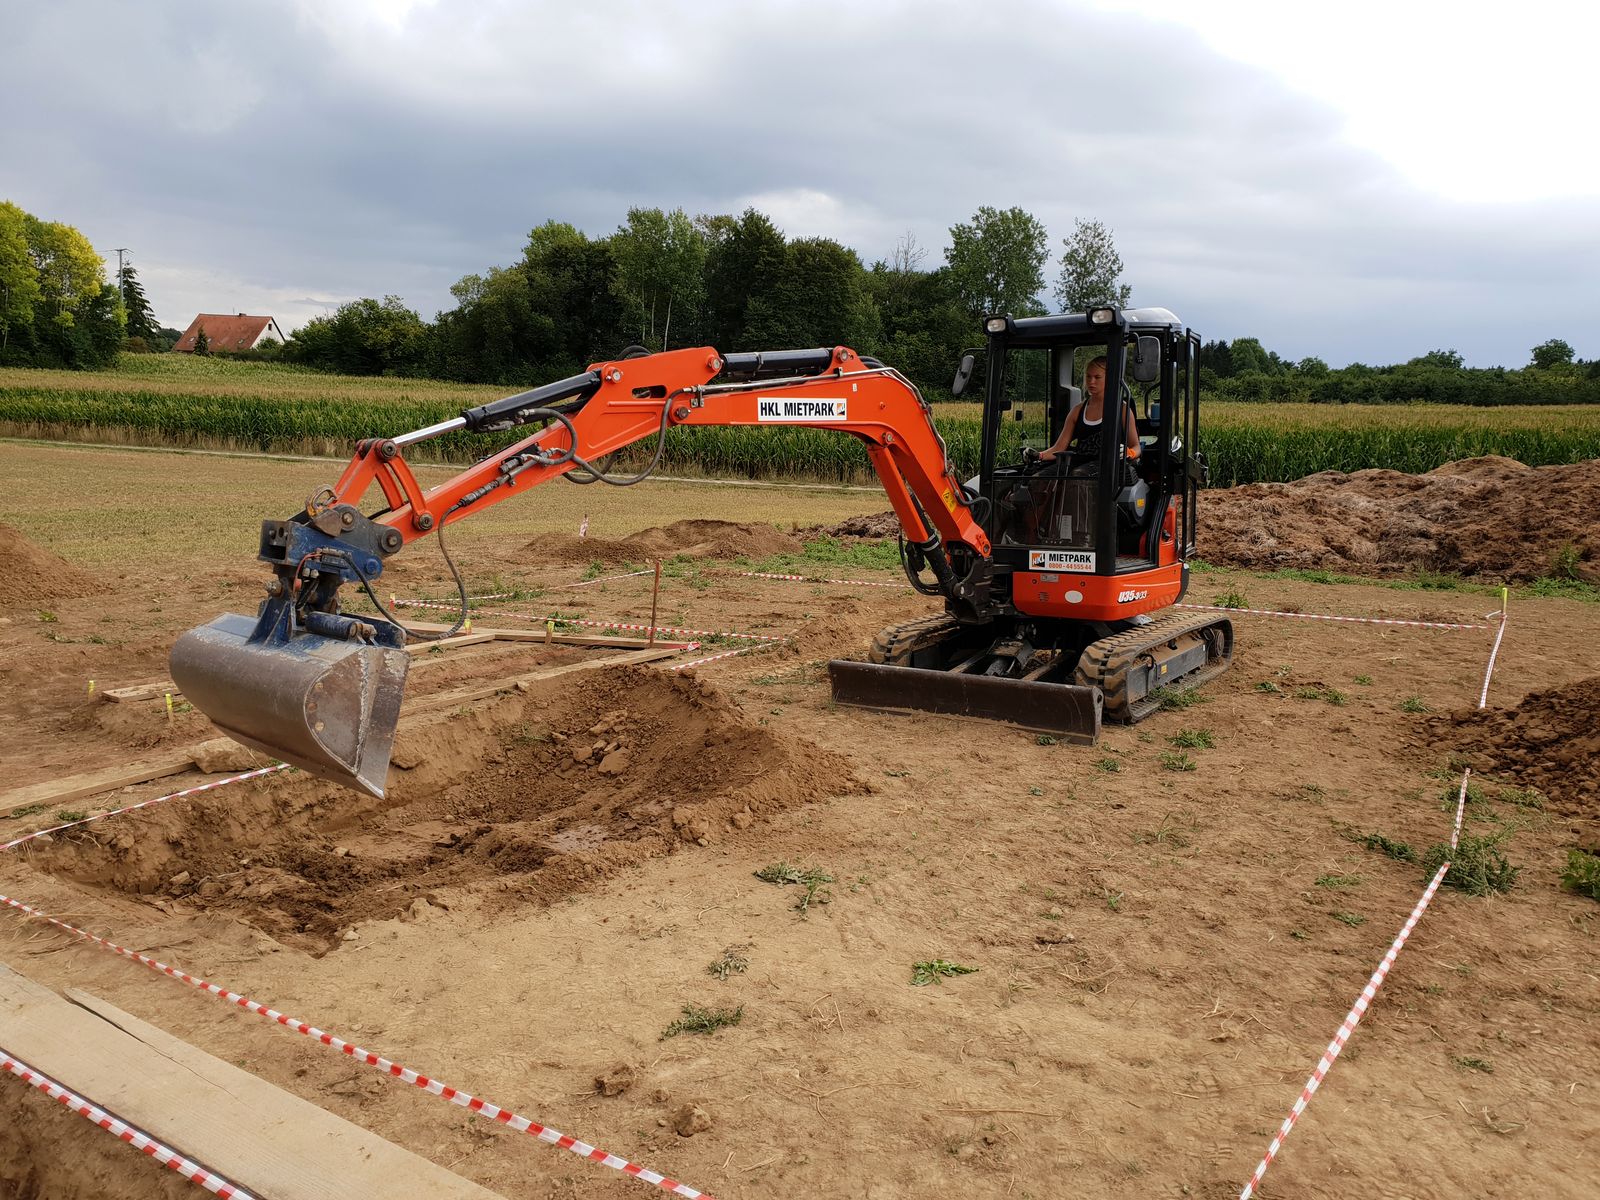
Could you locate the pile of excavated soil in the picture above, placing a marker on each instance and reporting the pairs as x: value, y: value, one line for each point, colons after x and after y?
x: 1551, y: 741
x: 1481, y: 516
x: 32, y: 573
x: 696, y: 539
x: 535, y: 797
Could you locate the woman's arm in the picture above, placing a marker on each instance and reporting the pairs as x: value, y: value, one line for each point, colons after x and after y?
x: 1133, y: 433
x: 1067, y: 428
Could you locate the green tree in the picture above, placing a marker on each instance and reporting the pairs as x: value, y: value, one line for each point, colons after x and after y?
x: 820, y: 298
x: 19, y: 280
x: 745, y: 258
x: 996, y: 261
x: 1091, y: 270
x: 1551, y: 354
x: 1312, y: 366
x: 363, y: 337
x: 202, y: 343
x: 661, y: 259
x: 1248, y: 354
x: 141, y: 321
x: 1449, y: 360
x: 69, y: 272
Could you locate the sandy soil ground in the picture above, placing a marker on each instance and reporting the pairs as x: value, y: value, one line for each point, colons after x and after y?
x: 1161, y: 953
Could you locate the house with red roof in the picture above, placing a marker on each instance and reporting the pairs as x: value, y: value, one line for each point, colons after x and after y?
x: 227, y: 332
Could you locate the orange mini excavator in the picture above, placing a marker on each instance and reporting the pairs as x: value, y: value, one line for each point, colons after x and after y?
x: 1058, y: 571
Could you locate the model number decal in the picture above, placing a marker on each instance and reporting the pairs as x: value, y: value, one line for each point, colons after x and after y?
x: 777, y: 408
x: 1125, y: 597
x: 1061, y: 560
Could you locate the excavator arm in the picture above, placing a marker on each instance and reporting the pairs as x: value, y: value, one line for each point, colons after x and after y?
x: 321, y: 688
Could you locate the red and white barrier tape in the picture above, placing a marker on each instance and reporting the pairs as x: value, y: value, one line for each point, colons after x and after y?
x: 728, y: 654
x: 136, y: 1138
x: 1351, y: 1020
x: 606, y: 578
x: 813, y: 579
x: 204, y: 787
x: 1461, y: 809
x: 434, y: 1087
x: 1483, y: 696
x: 1269, y: 612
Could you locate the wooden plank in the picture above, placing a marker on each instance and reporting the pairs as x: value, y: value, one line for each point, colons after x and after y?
x: 92, y: 783
x: 522, y: 682
x: 261, y: 1137
x: 141, y: 691
x: 461, y: 639
x: 555, y: 639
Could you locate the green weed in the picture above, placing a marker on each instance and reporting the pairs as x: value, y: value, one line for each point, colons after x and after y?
x: 703, y: 1020
x: 1266, y: 685
x: 28, y: 810
x: 70, y: 814
x: 1174, y: 699
x: 934, y: 970
x: 731, y: 961
x: 1413, y: 704
x: 1582, y: 874
x: 812, y: 879
x: 1232, y: 599
x: 1349, y: 918
x: 1194, y: 739
x: 1173, y: 760
x: 1477, y: 865
x: 1338, y: 882
x: 1473, y: 1064
x: 1109, y: 765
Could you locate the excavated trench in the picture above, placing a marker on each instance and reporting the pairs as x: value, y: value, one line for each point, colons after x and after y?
x: 533, y: 796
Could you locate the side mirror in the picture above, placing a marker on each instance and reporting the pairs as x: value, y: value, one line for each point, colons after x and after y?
x: 1147, y: 359
x: 964, y: 374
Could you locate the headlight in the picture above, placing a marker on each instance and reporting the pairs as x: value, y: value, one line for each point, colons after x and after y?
x: 997, y: 324
x: 1102, y: 316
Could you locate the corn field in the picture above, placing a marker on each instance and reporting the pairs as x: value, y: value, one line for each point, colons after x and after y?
x: 169, y: 400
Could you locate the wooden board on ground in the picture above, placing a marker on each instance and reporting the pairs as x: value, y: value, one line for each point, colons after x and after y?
x: 92, y: 783
x: 262, y: 1138
x: 141, y: 691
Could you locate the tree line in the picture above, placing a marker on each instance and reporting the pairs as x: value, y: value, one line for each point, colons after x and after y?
x: 56, y: 308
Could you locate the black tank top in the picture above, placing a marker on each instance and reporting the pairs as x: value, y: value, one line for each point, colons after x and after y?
x: 1086, y: 436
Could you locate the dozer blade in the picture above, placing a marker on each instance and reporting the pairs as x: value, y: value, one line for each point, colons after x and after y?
x: 1069, y: 711
x: 327, y: 706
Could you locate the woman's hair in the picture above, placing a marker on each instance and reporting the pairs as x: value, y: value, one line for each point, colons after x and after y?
x: 1098, y: 360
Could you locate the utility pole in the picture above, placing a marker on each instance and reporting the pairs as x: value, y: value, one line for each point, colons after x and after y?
x: 122, y: 279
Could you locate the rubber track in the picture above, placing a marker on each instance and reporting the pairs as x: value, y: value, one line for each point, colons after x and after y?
x: 895, y: 645
x: 1106, y: 663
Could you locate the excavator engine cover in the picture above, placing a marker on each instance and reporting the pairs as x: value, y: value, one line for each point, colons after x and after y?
x: 325, y: 704
x: 1069, y: 711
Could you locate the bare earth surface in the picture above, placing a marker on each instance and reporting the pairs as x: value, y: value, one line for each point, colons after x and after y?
x: 1161, y: 954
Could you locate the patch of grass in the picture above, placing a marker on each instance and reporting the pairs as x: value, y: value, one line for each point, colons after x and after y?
x: 1338, y: 882
x: 703, y: 1020
x: 1113, y: 899
x: 1413, y: 704
x: 28, y: 810
x: 732, y: 961
x: 1194, y: 739
x: 1046, y: 739
x: 935, y: 970
x: 1173, y: 699
x: 1173, y: 760
x: 1364, y: 680
x: 1477, y: 865
x: 1582, y: 874
x: 70, y: 814
x: 1232, y: 599
x: 1399, y: 851
x: 812, y: 879
x: 1164, y: 834
x: 1564, y: 589
x: 1349, y: 918
x: 857, y: 554
x: 49, y: 618
x: 1564, y: 563
x: 1308, y: 693
x: 1109, y: 764
x: 1473, y: 1064
x: 1522, y: 798
x: 1335, y: 697
x: 1271, y: 688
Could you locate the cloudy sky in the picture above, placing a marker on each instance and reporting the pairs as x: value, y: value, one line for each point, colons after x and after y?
x: 1361, y: 181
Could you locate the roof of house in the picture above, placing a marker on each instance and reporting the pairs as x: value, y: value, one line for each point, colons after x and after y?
x: 225, y: 331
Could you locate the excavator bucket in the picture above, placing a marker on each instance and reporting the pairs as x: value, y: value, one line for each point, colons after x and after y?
x: 1069, y: 711
x: 326, y: 705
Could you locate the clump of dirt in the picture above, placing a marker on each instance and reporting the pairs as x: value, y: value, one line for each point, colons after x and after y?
x: 540, y: 795
x: 868, y: 525
x: 1551, y: 741
x: 33, y: 573
x: 1481, y: 516
x: 696, y: 539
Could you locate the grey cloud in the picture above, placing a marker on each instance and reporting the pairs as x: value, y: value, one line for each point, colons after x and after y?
x: 274, y: 155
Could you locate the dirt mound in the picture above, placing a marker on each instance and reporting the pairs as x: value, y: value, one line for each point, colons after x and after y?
x: 1480, y: 516
x: 1551, y: 741
x: 697, y: 539
x: 870, y: 525
x: 540, y: 795
x: 33, y: 573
